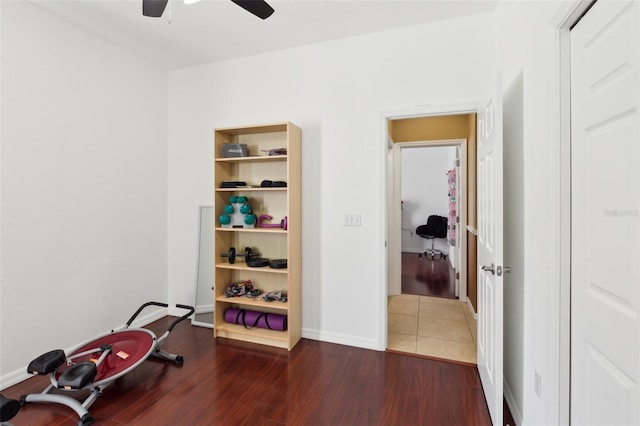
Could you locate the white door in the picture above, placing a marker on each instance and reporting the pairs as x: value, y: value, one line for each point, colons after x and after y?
x: 394, y: 222
x: 605, y: 241
x: 456, y: 225
x: 490, y: 268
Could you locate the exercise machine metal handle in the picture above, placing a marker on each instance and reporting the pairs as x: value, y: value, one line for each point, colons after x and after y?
x: 160, y: 353
x: 191, y: 310
x: 135, y: 315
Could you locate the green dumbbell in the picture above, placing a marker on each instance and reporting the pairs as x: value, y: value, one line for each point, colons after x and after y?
x: 224, y: 219
x: 250, y: 219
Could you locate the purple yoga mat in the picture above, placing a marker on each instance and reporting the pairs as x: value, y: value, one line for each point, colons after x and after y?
x: 252, y: 319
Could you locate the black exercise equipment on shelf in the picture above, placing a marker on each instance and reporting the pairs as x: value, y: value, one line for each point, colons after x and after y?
x: 232, y: 254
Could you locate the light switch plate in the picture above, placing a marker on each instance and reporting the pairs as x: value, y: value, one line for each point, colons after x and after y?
x: 352, y: 219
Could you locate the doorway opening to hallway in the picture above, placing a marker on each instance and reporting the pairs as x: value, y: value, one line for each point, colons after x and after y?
x: 429, y: 175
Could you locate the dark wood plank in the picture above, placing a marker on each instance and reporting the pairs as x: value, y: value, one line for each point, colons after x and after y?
x: 229, y: 382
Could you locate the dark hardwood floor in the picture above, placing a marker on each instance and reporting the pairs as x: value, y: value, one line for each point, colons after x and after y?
x: 225, y: 382
x: 426, y: 277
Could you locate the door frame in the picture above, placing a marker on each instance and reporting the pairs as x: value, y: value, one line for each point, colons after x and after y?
x: 559, y: 339
x: 391, y: 242
x: 394, y: 222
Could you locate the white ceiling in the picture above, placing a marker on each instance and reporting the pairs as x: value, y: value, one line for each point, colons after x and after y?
x: 214, y: 30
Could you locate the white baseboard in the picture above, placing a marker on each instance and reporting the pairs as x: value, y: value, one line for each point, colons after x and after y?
x: 473, y: 312
x: 200, y: 309
x: 511, y: 403
x: 340, y: 339
x: 14, y: 378
x: 19, y: 375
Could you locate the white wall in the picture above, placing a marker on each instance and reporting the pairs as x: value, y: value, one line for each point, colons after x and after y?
x: 336, y: 92
x: 83, y: 186
x: 424, y: 189
x: 514, y: 240
x: 527, y: 46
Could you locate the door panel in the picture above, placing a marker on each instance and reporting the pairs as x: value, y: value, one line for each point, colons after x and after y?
x: 605, y: 243
x: 394, y: 221
x: 490, y: 291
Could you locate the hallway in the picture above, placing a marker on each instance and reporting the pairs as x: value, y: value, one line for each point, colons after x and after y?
x: 431, y: 326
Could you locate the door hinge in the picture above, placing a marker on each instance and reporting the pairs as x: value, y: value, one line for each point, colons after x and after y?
x: 457, y: 163
x: 457, y: 219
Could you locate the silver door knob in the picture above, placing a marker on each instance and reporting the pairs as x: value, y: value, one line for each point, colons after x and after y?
x: 489, y: 268
x: 500, y: 270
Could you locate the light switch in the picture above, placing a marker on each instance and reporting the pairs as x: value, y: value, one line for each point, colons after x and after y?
x: 352, y: 219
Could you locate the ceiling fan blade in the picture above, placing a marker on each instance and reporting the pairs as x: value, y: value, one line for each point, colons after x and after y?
x: 259, y: 8
x: 153, y: 8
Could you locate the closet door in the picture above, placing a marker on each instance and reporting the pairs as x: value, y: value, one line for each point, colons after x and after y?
x: 605, y: 246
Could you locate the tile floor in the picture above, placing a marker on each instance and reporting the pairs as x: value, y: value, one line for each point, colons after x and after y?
x: 432, y: 326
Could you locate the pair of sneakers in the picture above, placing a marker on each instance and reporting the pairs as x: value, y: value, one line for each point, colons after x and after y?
x: 242, y: 288
x: 238, y: 288
x: 275, y: 295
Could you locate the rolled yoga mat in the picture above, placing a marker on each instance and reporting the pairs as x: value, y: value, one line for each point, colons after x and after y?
x: 252, y: 319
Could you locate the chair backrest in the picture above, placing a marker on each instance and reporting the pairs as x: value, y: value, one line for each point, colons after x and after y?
x: 436, y: 226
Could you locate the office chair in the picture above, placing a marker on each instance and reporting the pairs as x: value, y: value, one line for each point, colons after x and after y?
x: 436, y: 227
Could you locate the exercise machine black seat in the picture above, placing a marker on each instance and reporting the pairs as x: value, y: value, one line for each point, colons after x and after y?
x: 436, y: 227
x: 78, y: 376
x: 8, y: 408
x: 47, y: 363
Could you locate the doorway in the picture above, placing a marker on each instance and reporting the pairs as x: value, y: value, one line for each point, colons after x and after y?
x: 446, y: 328
x: 429, y: 206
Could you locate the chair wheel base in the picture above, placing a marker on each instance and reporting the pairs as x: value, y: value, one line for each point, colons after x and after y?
x: 432, y: 254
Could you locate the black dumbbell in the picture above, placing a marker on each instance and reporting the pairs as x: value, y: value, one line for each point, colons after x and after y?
x: 248, y: 254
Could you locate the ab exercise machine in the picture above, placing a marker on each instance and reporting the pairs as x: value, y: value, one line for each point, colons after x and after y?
x: 95, y: 364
